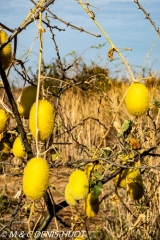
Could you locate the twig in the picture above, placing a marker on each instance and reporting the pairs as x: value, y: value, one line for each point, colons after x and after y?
x: 55, y: 27
x: 113, y: 47
x: 52, y: 210
x: 121, y: 169
x: 147, y: 16
x: 67, y: 23
x: 20, y: 28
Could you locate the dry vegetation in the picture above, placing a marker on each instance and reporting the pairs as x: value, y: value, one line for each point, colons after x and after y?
x: 82, y: 118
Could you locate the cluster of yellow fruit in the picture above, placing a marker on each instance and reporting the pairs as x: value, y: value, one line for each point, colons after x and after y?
x: 45, y: 113
x: 6, y: 52
x: 137, y: 99
x: 27, y: 109
x: 77, y: 189
x: 131, y: 180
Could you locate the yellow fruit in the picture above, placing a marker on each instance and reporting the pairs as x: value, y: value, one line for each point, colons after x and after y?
x: 137, y: 99
x: 79, y: 238
x: 3, y: 120
x: 120, y: 179
x: 91, y: 206
x: 79, y: 185
x: 36, y: 178
x: 27, y: 99
x: 4, y: 147
x: 6, y: 52
x: 135, y: 187
x: 18, y: 148
x: 45, y: 119
x: 69, y: 199
x: 88, y: 169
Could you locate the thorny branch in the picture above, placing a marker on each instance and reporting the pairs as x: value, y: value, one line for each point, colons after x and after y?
x: 67, y: 23
x: 20, y: 28
x: 147, y: 16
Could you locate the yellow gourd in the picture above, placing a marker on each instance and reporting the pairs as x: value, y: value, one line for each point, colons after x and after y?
x: 3, y: 120
x: 28, y: 97
x: 91, y: 206
x: 137, y: 99
x: 69, y: 198
x: 6, y: 52
x: 45, y: 119
x: 18, y: 148
x: 79, y: 184
x: 36, y: 178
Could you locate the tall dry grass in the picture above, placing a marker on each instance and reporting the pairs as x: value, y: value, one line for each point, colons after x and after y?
x: 84, y: 117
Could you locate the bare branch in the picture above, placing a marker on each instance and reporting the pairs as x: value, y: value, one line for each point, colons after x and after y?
x: 147, y: 16
x: 67, y: 23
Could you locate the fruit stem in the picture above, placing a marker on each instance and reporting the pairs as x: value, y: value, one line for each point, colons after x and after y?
x: 39, y: 76
x: 107, y: 37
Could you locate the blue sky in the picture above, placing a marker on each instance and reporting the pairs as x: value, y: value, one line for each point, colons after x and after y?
x: 121, y: 19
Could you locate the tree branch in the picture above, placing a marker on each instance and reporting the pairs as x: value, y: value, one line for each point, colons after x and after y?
x: 21, y: 131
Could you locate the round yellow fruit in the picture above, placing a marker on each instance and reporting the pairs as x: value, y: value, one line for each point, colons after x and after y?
x: 45, y: 119
x: 36, y: 178
x: 6, y: 52
x: 137, y: 99
x: 28, y: 97
x: 79, y: 184
x: 69, y: 199
x: 18, y: 148
x: 91, y: 206
x: 3, y: 120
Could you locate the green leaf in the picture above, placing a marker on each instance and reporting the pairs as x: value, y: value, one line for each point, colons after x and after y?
x: 127, y: 125
x: 97, y: 175
x: 97, y: 189
x: 54, y: 156
x: 107, y: 151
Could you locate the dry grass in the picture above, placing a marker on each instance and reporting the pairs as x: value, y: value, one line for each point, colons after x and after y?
x: 85, y: 117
